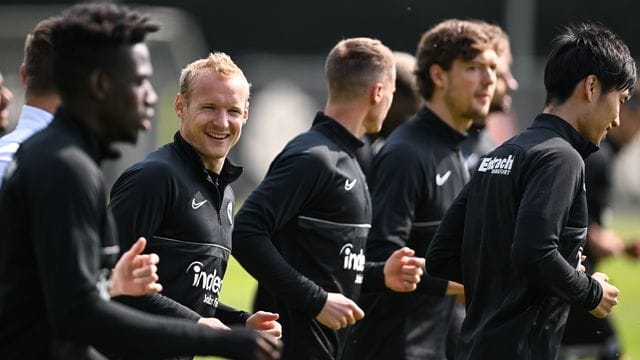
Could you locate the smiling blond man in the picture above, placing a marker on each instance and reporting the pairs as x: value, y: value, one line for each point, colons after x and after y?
x: 179, y: 197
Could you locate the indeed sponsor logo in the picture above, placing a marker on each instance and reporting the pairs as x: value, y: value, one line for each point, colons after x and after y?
x: 496, y: 165
x: 207, y: 281
x: 352, y: 261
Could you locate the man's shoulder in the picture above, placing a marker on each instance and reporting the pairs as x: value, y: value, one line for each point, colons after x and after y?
x: 311, y: 146
x: 159, y: 164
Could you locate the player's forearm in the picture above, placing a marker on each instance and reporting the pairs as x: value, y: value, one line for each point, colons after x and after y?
x: 557, y: 277
x: 113, y: 326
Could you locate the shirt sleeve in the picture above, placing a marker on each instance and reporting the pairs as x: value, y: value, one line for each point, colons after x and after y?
x: 67, y: 245
x: 230, y: 316
x: 551, y: 185
x: 398, y: 184
x: 159, y: 304
x: 291, y: 184
x: 443, y: 258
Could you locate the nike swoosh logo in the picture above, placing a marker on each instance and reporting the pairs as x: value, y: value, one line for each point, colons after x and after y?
x: 349, y: 185
x: 197, y: 205
x: 440, y: 180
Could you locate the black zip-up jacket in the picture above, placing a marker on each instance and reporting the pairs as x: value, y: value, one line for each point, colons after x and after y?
x: 415, y: 177
x: 302, y: 233
x: 58, y: 240
x: 514, y: 238
x: 186, y: 214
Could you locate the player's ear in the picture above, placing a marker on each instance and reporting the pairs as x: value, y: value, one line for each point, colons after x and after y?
x: 23, y: 74
x: 591, y: 87
x: 179, y: 105
x: 99, y: 84
x: 376, y: 94
x: 437, y: 75
x: 245, y: 113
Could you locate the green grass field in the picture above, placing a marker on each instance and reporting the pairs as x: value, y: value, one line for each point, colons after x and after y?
x: 238, y: 289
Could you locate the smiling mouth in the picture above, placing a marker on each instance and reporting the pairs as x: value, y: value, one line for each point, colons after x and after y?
x: 217, y: 136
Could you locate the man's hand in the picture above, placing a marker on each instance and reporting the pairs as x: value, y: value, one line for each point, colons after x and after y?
x: 339, y: 312
x: 265, y: 322
x: 213, y: 323
x: 633, y: 249
x: 609, y: 296
x: 135, y: 273
x: 603, y: 243
x: 403, y: 271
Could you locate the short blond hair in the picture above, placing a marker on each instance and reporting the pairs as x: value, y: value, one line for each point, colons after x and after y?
x: 218, y: 63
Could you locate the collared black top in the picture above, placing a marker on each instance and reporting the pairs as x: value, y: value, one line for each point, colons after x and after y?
x: 186, y: 214
x: 57, y: 241
x: 514, y: 238
x: 302, y: 233
x: 415, y: 177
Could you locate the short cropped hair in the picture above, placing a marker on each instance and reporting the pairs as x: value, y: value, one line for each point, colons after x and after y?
x: 587, y: 49
x: 445, y: 42
x: 217, y: 63
x: 89, y: 37
x: 38, y: 58
x: 354, y: 64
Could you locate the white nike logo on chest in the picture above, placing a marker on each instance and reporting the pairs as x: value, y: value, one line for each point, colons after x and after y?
x: 440, y: 180
x: 196, y: 205
x: 348, y: 185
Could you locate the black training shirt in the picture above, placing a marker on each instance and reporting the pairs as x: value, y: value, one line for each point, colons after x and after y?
x: 186, y: 214
x: 514, y: 237
x: 302, y: 233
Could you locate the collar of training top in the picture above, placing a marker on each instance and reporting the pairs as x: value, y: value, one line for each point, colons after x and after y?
x: 331, y: 128
x: 96, y: 147
x: 448, y: 135
x: 583, y: 146
x: 230, y: 172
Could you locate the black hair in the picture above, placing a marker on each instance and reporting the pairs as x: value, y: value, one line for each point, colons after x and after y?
x: 88, y: 37
x: 587, y: 49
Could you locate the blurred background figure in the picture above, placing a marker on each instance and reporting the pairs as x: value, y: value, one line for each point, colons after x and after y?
x: 5, y: 98
x: 406, y: 102
x: 500, y: 124
x: 41, y: 98
x: 406, y: 99
x: 586, y: 336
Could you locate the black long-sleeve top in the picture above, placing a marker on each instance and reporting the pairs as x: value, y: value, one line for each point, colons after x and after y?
x: 186, y: 214
x: 302, y: 233
x: 57, y: 242
x: 415, y: 177
x: 514, y: 237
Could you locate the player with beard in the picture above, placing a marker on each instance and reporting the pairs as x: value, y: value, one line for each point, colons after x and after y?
x: 515, y: 235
